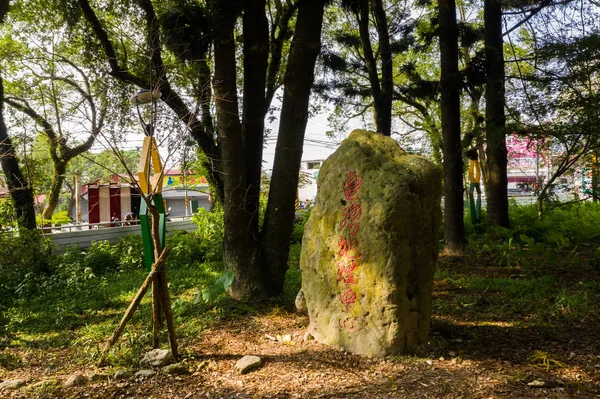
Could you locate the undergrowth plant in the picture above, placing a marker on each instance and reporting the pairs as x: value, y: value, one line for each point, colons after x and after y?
x: 537, y: 242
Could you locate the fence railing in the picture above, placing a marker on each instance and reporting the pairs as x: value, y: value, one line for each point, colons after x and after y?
x: 85, y: 234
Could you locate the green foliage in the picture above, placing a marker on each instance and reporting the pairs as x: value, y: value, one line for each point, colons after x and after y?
x: 58, y: 219
x: 210, y: 233
x: 526, y: 300
x: 537, y: 242
x: 87, y: 291
x: 186, y: 249
x: 24, y: 255
x: 220, y: 287
x: 298, y: 228
x: 7, y: 214
x: 293, y: 276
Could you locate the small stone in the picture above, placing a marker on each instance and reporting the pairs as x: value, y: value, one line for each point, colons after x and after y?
x: 98, y: 377
x: 429, y: 362
x: 248, y: 363
x: 11, y: 385
x: 571, y: 355
x: 301, y: 303
x: 536, y: 384
x: 144, y: 373
x: 452, y: 354
x: 75, y: 380
x: 176, y: 369
x: 156, y: 358
x: 122, y: 375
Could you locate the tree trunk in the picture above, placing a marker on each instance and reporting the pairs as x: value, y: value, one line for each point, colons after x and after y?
x: 496, y: 190
x: 20, y: 192
x: 256, y: 51
x: 595, y: 177
x: 454, y: 229
x: 54, y: 194
x: 299, y: 77
x: 239, y: 245
x: 383, y: 103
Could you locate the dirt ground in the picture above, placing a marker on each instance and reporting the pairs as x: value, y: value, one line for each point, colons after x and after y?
x: 463, y: 359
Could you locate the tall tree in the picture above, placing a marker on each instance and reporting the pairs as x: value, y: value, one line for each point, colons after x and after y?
x: 450, y: 83
x: 187, y: 31
x: 59, y: 146
x: 277, y: 227
x: 20, y: 191
x: 554, y: 98
x: 495, y: 119
x: 365, y: 40
x: 19, y: 188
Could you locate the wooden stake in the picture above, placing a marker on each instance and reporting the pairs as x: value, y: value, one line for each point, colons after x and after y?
x: 166, y: 299
x: 156, y: 268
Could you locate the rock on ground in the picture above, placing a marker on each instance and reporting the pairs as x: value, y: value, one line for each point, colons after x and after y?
x: 75, y: 380
x: 176, y: 369
x: 11, y: 385
x: 370, y: 247
x: 144, y: 373
x: 156, y: 358
x: 122, y: 374
x: 248, y: 363
x: 300, y: 303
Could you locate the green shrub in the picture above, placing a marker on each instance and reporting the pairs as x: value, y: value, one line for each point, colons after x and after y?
x: 60, y: 218
x: 210, y: 233
x: 186, y: 250
x: 102, y: 257
x: 298, y: 228
x: 130, y: 251
x: 7, y: 214
x: 23, y: 256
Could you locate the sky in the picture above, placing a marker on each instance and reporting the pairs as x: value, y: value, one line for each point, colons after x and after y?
x: 316, y: 143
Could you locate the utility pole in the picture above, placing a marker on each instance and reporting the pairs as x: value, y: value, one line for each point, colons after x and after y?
x: 78, y: 198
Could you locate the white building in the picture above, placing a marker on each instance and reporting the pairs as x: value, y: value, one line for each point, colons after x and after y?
x: 309, y: 172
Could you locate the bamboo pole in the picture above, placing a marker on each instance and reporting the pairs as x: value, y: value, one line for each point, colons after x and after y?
x: 156, y: 268
x: 166, y: 299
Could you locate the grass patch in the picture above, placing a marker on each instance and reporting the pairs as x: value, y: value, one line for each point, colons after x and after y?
x: 526, y: 300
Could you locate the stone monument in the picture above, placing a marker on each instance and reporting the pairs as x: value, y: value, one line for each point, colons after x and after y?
x: 370, y: 247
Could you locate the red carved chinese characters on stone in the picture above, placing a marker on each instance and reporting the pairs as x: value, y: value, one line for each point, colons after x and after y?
x: 345, y: 270
x: 348, y: 249
x: 352, y: 186
x: 350, y: 323
x: 348, y: 297
x: 351, y: 214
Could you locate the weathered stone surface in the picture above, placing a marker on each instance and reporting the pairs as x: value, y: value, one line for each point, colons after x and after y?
x: 301, y: 303
x: 122, y: 375
x: 248, y: 363
x: 156, y: 358
x: 370, y: 247
x: 11, y: 385
x: 75, y: 380
x: 176, y: 369
x: 145, y: 373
